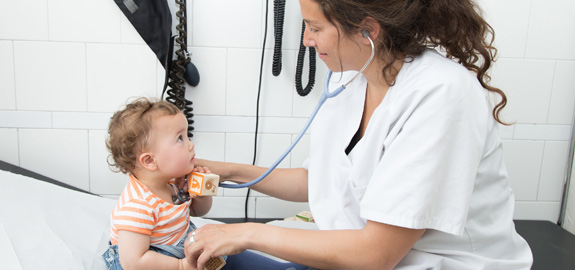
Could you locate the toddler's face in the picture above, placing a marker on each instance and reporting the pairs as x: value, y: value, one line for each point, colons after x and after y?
x: 169, y: 143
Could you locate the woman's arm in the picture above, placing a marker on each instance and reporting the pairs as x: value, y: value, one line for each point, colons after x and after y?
x: 282, y: 183
x: 376, y: 246
x: 135, y: 254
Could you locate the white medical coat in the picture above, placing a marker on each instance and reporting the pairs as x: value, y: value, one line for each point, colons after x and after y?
x: 430, y: 158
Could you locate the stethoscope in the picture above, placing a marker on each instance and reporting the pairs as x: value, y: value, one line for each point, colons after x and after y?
x: 326, y: 94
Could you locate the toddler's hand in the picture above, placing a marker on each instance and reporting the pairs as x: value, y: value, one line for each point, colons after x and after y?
x: 181, y: 182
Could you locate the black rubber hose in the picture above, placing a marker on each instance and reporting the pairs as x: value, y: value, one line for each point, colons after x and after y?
x: 299, y: 68
x: 279, y: 14
x: 177, y: 69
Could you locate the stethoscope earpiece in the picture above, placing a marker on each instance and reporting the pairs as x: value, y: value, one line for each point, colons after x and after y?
x: 365, y: 33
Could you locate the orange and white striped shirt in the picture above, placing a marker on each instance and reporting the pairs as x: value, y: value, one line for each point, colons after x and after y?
x: 141, y: 211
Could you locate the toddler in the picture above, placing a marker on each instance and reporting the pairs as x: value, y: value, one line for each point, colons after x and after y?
x: 148, y: 140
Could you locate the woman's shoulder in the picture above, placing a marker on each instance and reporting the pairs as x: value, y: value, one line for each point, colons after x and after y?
x: 433, y: 72
x: 439, y: 83
x: 433, y: 66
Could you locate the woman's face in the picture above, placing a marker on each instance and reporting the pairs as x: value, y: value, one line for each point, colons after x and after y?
x: 336, y: 50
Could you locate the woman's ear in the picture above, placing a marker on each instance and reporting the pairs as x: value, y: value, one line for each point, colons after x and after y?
x: 371, y: 25
x: 147, y: 162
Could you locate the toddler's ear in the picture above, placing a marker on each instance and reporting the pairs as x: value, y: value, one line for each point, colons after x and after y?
x: 147, y: 162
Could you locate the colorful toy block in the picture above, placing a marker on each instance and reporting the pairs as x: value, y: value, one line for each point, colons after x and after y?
x: 203, y: 184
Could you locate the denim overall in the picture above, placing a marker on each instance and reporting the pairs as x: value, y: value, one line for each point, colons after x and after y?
x: 112, y: 257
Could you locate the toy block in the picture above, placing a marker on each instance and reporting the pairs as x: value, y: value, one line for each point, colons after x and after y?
x: 292, y: 219
x: 305, y: 216
x: 215, y: 263
x: 203, y: 184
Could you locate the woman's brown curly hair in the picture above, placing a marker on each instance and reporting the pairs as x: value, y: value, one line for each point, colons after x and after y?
x: 129, y: 130
x: 409, y: 27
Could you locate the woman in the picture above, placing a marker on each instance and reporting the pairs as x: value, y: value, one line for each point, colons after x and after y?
x: 406, y: 167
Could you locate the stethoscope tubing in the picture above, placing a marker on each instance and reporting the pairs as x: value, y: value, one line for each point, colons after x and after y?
x: 325, y: 95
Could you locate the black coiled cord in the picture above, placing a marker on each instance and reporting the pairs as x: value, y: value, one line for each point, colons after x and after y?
x: 177, y: 92
x: 279, y: 14
x: 299, y: 67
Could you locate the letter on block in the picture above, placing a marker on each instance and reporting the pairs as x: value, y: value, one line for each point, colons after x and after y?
x: 204, y: 184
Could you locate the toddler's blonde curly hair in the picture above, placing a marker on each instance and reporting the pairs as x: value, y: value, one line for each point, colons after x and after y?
x: 129, y: 130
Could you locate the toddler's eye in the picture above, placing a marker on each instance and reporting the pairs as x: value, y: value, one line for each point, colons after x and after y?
x: 180, y: 138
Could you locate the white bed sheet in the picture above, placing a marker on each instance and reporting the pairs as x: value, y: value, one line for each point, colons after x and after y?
x: 45, y: 226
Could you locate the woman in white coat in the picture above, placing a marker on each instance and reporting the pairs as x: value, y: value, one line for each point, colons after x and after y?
x: 406, y: 167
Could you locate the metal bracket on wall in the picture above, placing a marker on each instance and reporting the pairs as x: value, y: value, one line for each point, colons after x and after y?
x: 568, y: 174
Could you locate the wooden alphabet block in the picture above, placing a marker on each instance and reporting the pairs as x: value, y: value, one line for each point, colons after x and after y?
x: 215, y: 263
x: 203, y: 184
x: 305, y: 216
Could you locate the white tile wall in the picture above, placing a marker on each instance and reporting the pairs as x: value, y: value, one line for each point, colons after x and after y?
x: 227, y: 23
x: 50, y: 76
x: 537, y: 211
x: 304, y: 106
x: 128, y: 34
x: 274, y: 208
x: 84, y: 21
x: 561, y: 107
x: 242, y: 81
x: 541, y: 132
x: 552, y: 172
x: 292, y: 26
x: 24, y: 20
x: 300, y: 152
x: 510, y: 35
x: 209, y: 145
x: 270, y: 147
x: 523, y: 161
x: 239, y: 148
x: 277, y: 92
x: 527, y: 84
x: 506, y: 132
x: 80, y: 120
x: 9, y: 146
x: 119, y: 72
x: 546, y: 38
x: 102, y: 179
x: 210, y: 94
x: 239, y: 193
x: 7, y: 91
x: 66, y: 65
x: 25, y: 119
x: 57, y: 153
x: 231, y: 207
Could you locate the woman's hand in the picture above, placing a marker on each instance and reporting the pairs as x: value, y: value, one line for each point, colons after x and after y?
x: 216, y: 167
x: 201, y: 169
x: 214, y: 240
